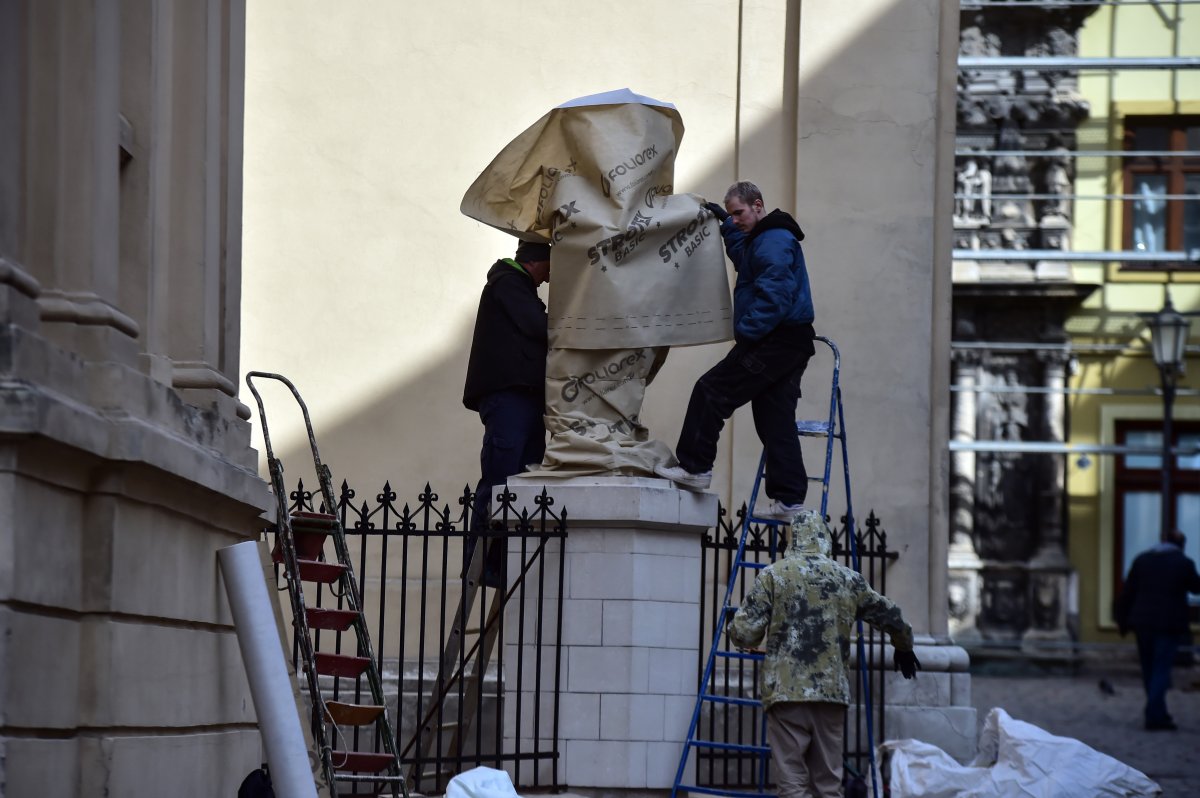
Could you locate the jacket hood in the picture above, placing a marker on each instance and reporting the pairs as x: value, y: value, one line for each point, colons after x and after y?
x: 502, y: 268
x: 778, y: 220
x: 810, y: 536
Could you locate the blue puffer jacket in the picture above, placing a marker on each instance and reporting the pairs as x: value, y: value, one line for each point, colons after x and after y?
x: 772, y: 282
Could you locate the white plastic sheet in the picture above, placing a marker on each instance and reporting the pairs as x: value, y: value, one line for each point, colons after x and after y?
x: 1016, y: 760
x: 481, y: 782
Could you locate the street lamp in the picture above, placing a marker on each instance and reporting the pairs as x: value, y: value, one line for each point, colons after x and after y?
x: 1168, y: 337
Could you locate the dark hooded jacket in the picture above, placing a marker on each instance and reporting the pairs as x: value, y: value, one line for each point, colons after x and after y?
x: 772, y: 287
x: 509, y: 346
x: 1154, y: 598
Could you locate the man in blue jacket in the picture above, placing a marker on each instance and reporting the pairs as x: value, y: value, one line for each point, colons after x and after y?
x: 1154, y: 604
x: 506, y: 381
x: 773, y: 334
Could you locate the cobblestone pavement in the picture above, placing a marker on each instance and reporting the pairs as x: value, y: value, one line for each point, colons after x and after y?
x: 1076, y: 706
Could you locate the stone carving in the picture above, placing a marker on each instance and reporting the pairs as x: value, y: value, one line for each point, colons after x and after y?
x: 1007, y: 505
x: 1056, y: 182
x: 974, y: 189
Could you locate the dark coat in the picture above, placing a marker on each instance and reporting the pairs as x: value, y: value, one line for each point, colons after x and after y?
x: 509, y: 346
x: 772, y: 287
x: 1154, y: 599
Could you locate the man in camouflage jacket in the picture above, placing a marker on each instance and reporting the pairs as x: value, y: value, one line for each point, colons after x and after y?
x: 805, y: 605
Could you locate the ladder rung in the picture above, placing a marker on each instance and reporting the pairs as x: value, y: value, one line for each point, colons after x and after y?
x: 364, y: 782
x: 342, y: 665
x: 334, y: 620
x: 751, y: 655
x: 317, y: 571
x: 360, y: 762
x: 727, y: 699
x: 344, y: 714
x: 719, y: 791
x: 762, y: 750
x: 312, y: 520
x: 814, y: 428
x: 308, y: 545
x: 758, y: 566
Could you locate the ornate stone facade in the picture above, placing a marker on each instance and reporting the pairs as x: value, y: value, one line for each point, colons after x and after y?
x: 1009, y: 576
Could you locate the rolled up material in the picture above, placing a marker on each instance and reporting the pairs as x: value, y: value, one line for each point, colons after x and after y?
x: 266, y: 670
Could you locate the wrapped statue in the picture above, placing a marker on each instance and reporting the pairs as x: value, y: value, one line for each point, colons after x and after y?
x: 636, y: 268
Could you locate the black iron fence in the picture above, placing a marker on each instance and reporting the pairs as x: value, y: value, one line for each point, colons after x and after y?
x: 409, y: 561
x: 745, y: 725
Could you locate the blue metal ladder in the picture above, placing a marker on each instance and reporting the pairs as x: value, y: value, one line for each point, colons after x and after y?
x: 832, y: 429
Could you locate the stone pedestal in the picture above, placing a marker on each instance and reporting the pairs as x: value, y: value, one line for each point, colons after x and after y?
x: 629, y: 628
x: 936, y: 706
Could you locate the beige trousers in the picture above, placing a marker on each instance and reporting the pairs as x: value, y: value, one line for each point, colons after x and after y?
x: 806, y: 747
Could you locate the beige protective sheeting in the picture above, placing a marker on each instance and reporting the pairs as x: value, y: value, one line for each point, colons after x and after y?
x: 593, y: 401
x: 634, y: 267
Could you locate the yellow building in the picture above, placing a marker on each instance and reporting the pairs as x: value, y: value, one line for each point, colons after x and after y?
x: 1140, y: 203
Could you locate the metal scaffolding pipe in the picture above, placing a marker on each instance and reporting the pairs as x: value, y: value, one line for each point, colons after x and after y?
x: 1065, y: 153
x: 1061, y: 254
x: 1024, y: 346
x: 1037, y: 63
x: 977, y: 4
x: 1068, y: 196
x: 1054, y: 447
x: 1041, y: 389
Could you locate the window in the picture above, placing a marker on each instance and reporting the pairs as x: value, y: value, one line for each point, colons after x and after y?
x: 1163, y: 213
x: 1139, y: 492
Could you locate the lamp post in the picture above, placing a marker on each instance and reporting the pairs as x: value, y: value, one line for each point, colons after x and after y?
x: 1168, y: 337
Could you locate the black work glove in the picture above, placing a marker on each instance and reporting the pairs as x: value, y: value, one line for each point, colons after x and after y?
x: 717, y: 211
x: 907, y: 663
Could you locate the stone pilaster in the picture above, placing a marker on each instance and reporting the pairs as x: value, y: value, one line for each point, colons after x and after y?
x: 1050, y: 569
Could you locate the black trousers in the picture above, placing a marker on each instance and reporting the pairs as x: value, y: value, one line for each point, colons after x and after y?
x: 514, y: 436
x: 765, y: 373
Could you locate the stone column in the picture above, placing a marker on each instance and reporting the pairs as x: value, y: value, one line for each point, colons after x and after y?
x: 1049, y: 568
x: 964, y: 564
x: 629, y: 623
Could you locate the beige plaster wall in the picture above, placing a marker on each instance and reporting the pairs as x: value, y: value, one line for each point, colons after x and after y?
x: 366, y: 122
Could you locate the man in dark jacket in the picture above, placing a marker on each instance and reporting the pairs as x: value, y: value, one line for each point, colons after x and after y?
x: 773, y: 334
x: 506, y: 378
x: 1154, y: 605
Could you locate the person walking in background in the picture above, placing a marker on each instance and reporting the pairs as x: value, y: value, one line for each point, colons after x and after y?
x: 773, y: 341
x: 804, y: 606
x: 1154, y: 604
x: 506, y: 381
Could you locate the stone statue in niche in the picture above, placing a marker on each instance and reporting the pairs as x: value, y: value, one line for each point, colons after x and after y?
x: 958, y: 599
x: 1056, y: 182
x: 1046, y: 602
x: 1003, y: 416
x: 974, y: 189
x: 1003, y: 603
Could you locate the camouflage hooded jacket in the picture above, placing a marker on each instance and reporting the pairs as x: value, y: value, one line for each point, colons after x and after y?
x: 805, y: 605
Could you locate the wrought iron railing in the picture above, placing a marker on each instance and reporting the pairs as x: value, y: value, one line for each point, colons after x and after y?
x: 410, y: 567
x: 744, y: 725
